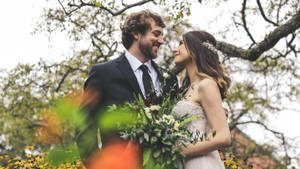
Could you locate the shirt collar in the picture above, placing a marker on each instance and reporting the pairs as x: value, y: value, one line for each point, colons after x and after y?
x: 135, y: 63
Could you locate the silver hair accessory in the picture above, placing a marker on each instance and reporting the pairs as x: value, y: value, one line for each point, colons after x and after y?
x: 210, y: 46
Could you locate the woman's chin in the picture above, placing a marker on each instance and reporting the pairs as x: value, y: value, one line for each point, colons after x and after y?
x: 178, y: 63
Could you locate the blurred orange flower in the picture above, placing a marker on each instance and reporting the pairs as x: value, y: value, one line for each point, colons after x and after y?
x: 74, y: 97
x: 78, y: 97
x: 90, y: 97
x: 119, y: 155
x: 49, y: 130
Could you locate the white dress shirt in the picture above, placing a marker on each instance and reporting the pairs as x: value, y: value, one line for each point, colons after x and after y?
x: 135, y: 64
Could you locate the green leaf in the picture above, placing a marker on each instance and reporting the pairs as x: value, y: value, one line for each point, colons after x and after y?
x: 153, y: 139
x: 156, y: 153
x: 163, y: 149
x: 112, y: 120
x: 166, y: 102
x: 146, y: 136
x: 141, y: 139
x: 157, y: 166
x: 59, y: 156
x: 98, y: 4
x: 146, y: 156
x: 150, y: 163
x: 70, y: 111
x: 187, y: 120
x: 180, y: 164
x: 141, y: 100
x: 168, y: 143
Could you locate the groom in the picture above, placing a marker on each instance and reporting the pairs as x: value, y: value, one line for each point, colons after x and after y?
x: 120, y: 80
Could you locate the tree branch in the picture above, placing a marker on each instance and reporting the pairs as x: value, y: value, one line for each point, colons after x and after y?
x: 263, y: 13
x: 278, y: 11
x: 68, y: 12
x: 63, y: 79
x: 276, y: 133
x: 126, y: 7
x: 269, y: 42
x: 289, y: 44
x: 245, y: 23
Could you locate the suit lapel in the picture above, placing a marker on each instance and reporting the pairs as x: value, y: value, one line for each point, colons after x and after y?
x: 162, y: 80
x: 160, y: 76
x: 125, y: 68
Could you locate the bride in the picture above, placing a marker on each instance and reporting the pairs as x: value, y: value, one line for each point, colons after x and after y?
x: 206, y: 84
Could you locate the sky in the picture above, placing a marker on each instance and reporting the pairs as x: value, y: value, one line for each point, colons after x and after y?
x: 19, y: 45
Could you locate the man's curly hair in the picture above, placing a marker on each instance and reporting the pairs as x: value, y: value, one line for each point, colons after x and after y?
x: 138, y: 22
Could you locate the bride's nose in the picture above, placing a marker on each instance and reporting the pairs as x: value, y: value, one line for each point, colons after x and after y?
x: 175, y: 50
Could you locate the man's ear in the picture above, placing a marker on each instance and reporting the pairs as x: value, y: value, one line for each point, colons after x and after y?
x: 136, y: 36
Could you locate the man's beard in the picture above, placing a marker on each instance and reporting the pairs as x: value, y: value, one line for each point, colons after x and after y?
x: 147, y: 51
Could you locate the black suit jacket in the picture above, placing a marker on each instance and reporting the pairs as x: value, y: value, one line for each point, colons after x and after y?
x: 115, y: 83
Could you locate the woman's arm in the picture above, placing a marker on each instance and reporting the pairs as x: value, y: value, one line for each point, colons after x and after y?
x: 208, y: 95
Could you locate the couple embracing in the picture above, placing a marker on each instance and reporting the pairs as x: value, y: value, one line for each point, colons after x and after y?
x: 134, y: 73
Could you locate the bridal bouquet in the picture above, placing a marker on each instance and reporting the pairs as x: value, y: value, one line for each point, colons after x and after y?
x: 158, y: 132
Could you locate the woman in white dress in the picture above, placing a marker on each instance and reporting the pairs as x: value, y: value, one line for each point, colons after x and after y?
x: 206, y: 84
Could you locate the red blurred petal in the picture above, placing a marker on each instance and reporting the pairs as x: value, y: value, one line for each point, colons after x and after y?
x: 120, y: 155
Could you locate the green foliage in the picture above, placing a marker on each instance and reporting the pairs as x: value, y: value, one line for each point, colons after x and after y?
x: 98, y: 4
x: 62, y: 155
x: 115, y: 118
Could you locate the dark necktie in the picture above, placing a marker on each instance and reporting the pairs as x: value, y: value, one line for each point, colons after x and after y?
x: 147, y: 81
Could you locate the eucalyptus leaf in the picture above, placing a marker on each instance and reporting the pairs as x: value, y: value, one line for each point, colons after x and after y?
x: 187, y: 120
x: 156, y: 153
x: 141, y: 139
x: 146, y: 136
x: 146, y: 155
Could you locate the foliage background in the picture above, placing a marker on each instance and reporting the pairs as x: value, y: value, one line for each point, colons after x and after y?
x: 259, y: 46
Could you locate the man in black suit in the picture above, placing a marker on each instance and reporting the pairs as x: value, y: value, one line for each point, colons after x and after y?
x: 121, y: 79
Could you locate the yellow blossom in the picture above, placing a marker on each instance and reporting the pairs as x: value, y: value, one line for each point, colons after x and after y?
x: 30, y: 148
x: 234, y: 166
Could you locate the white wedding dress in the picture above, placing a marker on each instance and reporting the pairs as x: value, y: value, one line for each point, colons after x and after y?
x: 211, y: 160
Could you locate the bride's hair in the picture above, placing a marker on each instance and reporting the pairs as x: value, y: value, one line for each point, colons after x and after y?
x: 202, y: 48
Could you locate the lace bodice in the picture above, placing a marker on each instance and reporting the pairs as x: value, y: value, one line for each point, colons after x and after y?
x: 210, y: 160
x: 184, y: 107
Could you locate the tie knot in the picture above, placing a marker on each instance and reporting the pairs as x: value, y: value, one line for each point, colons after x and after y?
x: 144, y: 68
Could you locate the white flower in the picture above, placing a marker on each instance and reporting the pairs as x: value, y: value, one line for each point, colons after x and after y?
x: 158, y: 121
x: 164, y: 117
x: 154, y: 107
x: 166, y: 75
x: 158, y: 134
x: 169, y: 119
x: 147, y: 112
x: 149, y: 115
x: 176, y: 125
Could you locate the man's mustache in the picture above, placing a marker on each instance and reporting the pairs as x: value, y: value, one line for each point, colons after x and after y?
x: 156, y: 44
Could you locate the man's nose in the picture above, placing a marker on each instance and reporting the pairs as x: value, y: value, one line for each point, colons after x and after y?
x: 161, y: 40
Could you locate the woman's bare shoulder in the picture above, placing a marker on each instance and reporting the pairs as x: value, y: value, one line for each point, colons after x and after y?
x: 206, y: 84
